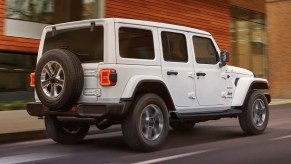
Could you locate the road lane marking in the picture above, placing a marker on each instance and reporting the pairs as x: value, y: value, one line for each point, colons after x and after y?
x: 281, y: 138
x: 28, y: 157
x: 173, y: 157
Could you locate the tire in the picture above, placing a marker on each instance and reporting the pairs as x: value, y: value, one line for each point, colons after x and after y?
x: 138, y: 131
x: 254, y: 121
x: 60, y: 87
x: 182, y: 125
x: 65, y: 133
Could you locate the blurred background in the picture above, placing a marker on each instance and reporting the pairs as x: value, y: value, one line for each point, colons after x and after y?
x: 256, y: 32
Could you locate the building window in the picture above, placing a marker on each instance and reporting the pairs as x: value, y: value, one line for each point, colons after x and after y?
x: 31, y: 10
x: 136, y: 43
x: 205, y: 52
x: 174, y: 47
x: 15, y: 72
x: 53, y: 11
x: 248, y: 40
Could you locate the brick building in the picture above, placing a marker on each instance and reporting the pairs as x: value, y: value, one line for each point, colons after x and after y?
x: 279, y: 47
x: 237, y: 26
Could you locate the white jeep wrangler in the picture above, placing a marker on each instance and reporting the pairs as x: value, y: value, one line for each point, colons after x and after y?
x: 146, y: 76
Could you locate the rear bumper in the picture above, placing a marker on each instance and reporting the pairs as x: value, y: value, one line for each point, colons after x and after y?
x: 99, y: 111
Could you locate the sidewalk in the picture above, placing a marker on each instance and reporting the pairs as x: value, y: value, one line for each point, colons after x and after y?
x: 18, y: 125
x: 19, y: 121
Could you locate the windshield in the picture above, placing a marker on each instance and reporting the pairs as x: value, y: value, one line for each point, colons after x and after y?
x: 86, y: 42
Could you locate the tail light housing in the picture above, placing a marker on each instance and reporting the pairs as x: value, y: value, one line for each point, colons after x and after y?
x: 32, y: 80
x: 108, y: 77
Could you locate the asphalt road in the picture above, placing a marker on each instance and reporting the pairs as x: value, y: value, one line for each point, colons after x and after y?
x: 220, y: 141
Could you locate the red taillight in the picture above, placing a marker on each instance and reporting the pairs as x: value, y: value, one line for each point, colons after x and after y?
x: 32, y: 82
x: 108, y: 77
x: 73, y: 109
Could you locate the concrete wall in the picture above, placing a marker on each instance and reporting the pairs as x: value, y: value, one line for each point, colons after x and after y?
x: 279, y: 47
x: 29, y: 30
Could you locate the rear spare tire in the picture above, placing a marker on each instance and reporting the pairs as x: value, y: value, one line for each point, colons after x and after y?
x: 59, y: 79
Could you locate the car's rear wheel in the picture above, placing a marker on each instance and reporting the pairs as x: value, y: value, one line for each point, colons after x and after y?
x: 146, y: 126
x: 255, y: 114
x: 65, y: 132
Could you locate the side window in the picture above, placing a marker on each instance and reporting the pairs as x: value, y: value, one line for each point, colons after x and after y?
x: 174, y: 47
x: 136, y: 43
x: 205, y: 52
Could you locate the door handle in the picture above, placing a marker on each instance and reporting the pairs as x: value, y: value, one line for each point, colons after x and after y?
x: 200, y: 74
x: 172, y: 73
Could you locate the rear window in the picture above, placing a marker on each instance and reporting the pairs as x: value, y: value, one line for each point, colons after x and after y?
x: 136, y: 43
x: 85, y: 42
x: 174, y: 47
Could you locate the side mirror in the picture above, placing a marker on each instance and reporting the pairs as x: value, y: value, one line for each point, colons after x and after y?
x: 224, y: 57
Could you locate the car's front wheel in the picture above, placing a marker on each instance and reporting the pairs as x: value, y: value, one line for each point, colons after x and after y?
x: 255, y: 114
x: 65, y: 132
x: 146, y: 126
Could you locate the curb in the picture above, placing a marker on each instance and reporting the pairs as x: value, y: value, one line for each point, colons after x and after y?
x: 22, y: 136
x: 41, y: 134
x: 280, y: 104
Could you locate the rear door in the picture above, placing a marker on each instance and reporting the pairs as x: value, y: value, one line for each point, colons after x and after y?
x: 177, y: 66
x: 87, y: 43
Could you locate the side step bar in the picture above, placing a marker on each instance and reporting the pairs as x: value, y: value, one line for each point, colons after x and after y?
x: 204, y: 116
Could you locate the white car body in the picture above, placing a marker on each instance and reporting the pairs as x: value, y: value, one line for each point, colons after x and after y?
x: 147, y: 76
x: 214, y: 92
